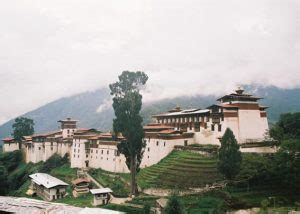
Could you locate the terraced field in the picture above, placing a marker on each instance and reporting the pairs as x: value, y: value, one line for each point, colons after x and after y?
x: 181, y: 169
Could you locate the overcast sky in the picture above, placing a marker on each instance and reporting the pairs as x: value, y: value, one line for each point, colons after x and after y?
x: 55, y: 48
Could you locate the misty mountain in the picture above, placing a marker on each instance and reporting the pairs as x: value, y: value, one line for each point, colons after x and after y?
x: 93, y: 109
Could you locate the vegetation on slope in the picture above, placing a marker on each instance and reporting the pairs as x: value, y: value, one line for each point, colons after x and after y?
x: 118, y: 182
x: 180, y: 169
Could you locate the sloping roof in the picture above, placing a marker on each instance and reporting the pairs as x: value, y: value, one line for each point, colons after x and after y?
x: 33, y: 206
x: 184, y: 112
x: 80, y: 180
x: 7, y: 139
x: 101, y: 190
x: 68, y: 120
x: 47, y: 180
x: 47, y: 134
x: 27, y: 138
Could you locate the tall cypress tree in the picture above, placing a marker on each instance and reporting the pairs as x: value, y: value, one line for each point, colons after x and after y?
x: 230, y: 157
x: 22, y: 127
x: 127, y: 104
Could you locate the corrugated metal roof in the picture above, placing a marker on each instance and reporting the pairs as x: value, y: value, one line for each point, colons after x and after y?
x: 47, y: 180
x: 101, y: 190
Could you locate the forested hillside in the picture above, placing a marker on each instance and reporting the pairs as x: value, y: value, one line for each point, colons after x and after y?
x: 93, y: 109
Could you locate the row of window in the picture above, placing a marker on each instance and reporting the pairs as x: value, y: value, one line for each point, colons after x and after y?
x: 183, y: 119
x: 219, y: 127
x: 78, y: 156
x: 197, y: 127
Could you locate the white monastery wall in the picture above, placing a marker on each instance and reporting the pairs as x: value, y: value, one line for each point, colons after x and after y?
x: 157, y: 149
x: 78, y: 155
x: 251, y: 125
x: 106, y: 157
x: 10, y: 147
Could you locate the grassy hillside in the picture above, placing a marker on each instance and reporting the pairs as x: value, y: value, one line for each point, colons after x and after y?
x: 181, y: 169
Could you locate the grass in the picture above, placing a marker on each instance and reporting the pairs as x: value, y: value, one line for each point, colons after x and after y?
x: 118, y: 182
x: 81, y: 201
x: 143, y: 200
x: 65, y: 173
x: 181, y: 169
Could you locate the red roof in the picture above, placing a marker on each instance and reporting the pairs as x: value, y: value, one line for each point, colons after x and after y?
x: 80, y: 180
x: 7, y: 139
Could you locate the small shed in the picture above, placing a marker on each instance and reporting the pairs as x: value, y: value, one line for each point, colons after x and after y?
x: 47, y: 186
x: 80, y: 186
x: 101, y: 196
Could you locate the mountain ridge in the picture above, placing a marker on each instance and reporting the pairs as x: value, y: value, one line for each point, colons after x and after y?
x: 93, y: 109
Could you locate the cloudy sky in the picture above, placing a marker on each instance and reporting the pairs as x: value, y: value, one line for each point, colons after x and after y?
x: 55, y: 48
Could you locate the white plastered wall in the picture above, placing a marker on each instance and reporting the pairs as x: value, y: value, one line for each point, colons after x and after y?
x: 251, y: 125
x: 154, y: 151
x: 10, y: 147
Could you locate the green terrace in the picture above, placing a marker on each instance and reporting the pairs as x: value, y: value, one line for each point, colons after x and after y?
x: 181, y: 169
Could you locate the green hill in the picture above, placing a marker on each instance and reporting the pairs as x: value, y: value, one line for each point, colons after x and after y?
x: 181, y: 169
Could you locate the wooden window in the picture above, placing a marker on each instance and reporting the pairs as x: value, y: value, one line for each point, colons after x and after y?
x: 165, y: 143
x: 157, y: 143
x: 107, y: 151
x: 219, y: 127
x: 205, y: 125
x: 102, y: 151
x: 213, y: 127
x: 148, y: 149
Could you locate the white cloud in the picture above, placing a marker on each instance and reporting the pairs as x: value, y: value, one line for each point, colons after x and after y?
x: 55, y: 48
x: 104, y: 106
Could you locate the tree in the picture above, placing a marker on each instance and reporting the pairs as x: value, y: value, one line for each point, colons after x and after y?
x: 230, y: 157
x: 3, y: 180
x: 127, y: 103
x: 22, y: 127
x: 288, y: 126
x: 174, y: 205
x: 287, y: 163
